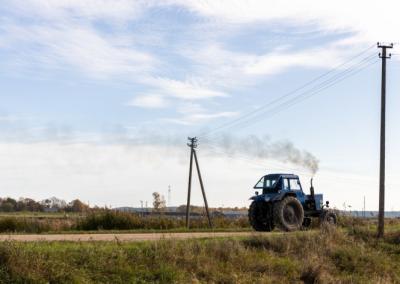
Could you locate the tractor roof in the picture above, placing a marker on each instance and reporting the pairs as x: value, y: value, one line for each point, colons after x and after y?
x: 282, y: 175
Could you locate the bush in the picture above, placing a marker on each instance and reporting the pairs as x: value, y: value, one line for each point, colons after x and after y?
x: 26, y: 225
x: 114, y: 220
x: 110, y: 220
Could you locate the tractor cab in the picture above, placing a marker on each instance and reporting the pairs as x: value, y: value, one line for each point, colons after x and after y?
x: 278, y: 184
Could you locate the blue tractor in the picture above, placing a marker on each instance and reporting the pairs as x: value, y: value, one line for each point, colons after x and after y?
x: 283, y: 204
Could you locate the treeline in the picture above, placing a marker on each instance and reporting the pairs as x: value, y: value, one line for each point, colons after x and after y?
x: 47, y: 205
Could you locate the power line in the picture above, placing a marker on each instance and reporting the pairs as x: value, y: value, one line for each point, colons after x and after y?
x: 366, y: 62
x: 248, y: 159
x: 290, y: 93
x: 304, y: 96
x: 321, y: 86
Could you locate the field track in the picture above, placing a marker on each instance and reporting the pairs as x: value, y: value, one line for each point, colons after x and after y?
x: 129, y: 237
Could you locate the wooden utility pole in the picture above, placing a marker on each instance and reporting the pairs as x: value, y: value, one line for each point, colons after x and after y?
x: 202, y: 189
x: 193, y: 145
x: 381, y: 216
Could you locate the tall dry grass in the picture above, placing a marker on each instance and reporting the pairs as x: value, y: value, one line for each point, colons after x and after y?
x: 328, y: 255
x: 111, y: 220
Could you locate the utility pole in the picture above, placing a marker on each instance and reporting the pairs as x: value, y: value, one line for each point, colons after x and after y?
x: 193, y: 145
x: 381, y: 216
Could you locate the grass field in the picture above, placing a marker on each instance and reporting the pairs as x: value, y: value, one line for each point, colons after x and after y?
x: 349, y: 254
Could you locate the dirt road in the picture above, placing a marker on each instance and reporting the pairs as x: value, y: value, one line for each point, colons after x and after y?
x: 136, y: 237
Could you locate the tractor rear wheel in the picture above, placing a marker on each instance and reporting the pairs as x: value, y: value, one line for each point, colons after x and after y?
x: 288, y: 214
x: 258, y: 217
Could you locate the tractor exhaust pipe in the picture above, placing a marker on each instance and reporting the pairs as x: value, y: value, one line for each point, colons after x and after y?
x: 312, y: 190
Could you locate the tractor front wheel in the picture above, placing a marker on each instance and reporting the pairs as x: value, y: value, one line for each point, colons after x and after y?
x: 258, y: 217
x: 288, y: 214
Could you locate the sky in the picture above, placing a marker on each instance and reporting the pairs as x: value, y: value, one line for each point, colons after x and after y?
x: 98, y: 98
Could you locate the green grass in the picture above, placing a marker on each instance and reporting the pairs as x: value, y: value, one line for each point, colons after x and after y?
x: 325, y: 256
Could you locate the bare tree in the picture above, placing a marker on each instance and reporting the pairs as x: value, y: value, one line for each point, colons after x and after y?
x: 77, y: 206
x: 159, y: 203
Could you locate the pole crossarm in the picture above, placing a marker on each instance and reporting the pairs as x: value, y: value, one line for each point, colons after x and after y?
x: 384, y: 47
x: 193, y: 142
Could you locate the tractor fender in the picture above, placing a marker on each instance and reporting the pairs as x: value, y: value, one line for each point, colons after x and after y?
x: 282, y: 195
x: 272, y: 197
x: 261, y: 198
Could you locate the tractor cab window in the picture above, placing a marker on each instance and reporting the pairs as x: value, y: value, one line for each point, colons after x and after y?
x: 294, y: 184
x: 286, y: 184
x: 260, y: 183
x: 268, y: 184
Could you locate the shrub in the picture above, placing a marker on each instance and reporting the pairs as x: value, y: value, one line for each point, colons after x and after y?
x: 114, y: 220
x: 27, y: 225
x: 109, y: 220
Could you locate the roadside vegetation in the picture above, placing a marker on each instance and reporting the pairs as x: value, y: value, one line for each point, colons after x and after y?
x: 54, y: 215
x: 106, y: 220
x: 110, y: 220
x: 327, y: 255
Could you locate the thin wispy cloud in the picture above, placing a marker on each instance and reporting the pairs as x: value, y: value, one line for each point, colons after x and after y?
x: 278, y: 61
x: 76, y: 47
x: 192, y: 119
x: 149, y: 101
x: 185, y: 90
x: 73, y: 10
x: 334, y: 16
x: 194, y: 113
